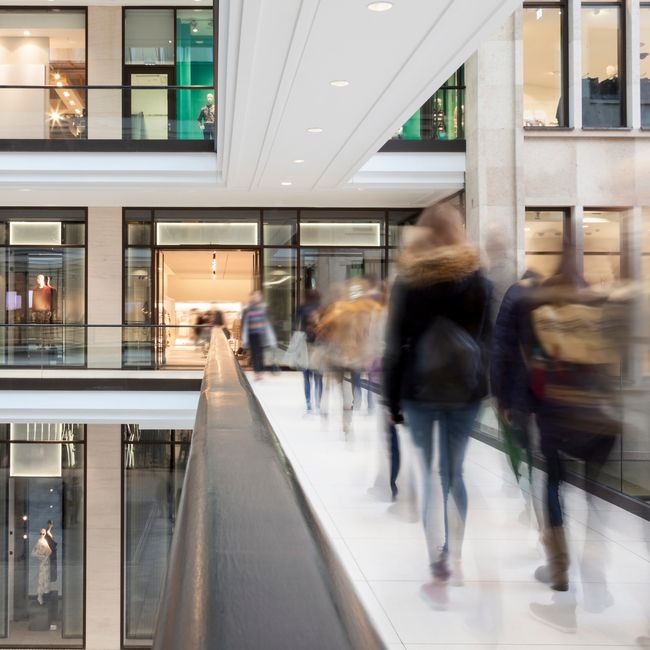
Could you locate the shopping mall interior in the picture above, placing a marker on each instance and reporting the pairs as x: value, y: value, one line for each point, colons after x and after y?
x: 211, y: 417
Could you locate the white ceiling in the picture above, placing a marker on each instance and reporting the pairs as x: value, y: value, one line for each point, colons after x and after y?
x: 276, y: 59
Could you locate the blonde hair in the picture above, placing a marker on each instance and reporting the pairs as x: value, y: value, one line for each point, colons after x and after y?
x: 442, y: 224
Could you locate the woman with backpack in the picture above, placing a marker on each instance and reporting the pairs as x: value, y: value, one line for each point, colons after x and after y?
x: 306, y: 320
x: 434, y: 365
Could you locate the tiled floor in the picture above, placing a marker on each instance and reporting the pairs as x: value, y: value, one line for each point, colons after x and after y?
x: 501, y: 606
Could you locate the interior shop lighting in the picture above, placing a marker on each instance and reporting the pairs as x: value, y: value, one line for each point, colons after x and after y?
x: 214, y: 265
x: 66, y: 93
x: 59, y: 84
x: 55, y: 116
x: 380, y: 6
x: 539, y: 14
x: 77, y: 111
x: 72, y: 102
x: 57, y: 75
x: 339, y: 83
x: 195, y: 27
x: 27, y: 33
x: 314, y: 129
x: 595, y: 220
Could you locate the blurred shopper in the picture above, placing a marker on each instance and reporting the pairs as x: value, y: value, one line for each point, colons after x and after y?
x: 434, y: 365
x: 509, y: 376
x: 573, y: 346
x: 257, y: 332
x: 306, y: 321
x: 345, y: 335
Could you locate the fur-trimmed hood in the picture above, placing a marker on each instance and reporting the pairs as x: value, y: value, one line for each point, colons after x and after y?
x: 422, y: 268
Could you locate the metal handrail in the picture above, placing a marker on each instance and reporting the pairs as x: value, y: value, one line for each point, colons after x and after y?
x: 250, y: 566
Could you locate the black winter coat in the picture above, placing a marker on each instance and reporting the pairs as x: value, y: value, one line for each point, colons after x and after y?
x: 445, y: 282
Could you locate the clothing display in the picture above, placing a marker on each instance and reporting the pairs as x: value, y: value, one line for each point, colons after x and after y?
x: 42, y: 552
x: 206, y: 120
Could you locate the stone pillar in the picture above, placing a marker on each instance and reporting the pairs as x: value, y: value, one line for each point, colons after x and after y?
x: 103, y: 536
x: 104, y: 68
x: 105, y: 287
x: 494, y: 133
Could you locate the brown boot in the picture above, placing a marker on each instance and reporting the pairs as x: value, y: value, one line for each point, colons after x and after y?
x: 556, y: 570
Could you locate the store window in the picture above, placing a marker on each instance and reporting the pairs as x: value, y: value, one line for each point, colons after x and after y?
x: 545, y: 234
x: 42, y: 541
x: 442, y: 116
x: 42, y: 278
x: 163, y: 48
x: 644, y: 55
x: 545, y: 44
x: 603, y: 78
x: 46, y: 47
x: 602, y: 246
x: 332, y: 228
x: 154, y: 462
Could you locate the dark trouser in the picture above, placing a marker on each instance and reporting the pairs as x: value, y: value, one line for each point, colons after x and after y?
x: 393, y: 449
x: 256, y: 342
x: 558, y: 439
x: 308, y: 375
x: 208, y: 132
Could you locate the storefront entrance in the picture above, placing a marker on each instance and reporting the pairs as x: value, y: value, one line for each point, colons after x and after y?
x: 194, y: 289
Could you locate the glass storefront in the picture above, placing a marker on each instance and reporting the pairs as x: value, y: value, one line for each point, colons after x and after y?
x: 644, y: 64
x: 281, y: 251
x: 442, y: 116
x: 164, y: 48
x: 544, y: 65
x: 603, y: 81
x: 154, y: 462
x: 42, y: 280
x: 42, y: 479
x: 43, y: 47
x: 602, y: 246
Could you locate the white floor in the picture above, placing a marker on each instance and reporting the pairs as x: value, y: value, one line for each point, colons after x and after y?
x: 382, y: 546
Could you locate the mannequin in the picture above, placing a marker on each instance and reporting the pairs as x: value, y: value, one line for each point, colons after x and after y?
x: 206, y: 118
x: 43, y: 300
x: 42, y: 553
x: 53, y: 598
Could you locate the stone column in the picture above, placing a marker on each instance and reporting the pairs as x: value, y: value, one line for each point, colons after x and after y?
x: 494, y: 133
x: 103, y: 536
x: 105, y: 287
x: 104, y: 68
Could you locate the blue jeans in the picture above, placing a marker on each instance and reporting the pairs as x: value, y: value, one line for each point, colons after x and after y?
x: 307, y: 376
x: 455, y: 425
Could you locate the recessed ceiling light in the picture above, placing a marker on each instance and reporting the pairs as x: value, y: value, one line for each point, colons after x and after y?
x: 286, y: 183
x: 314, y: 129
x: 299, y: 161
x: 339, y: 83
x: 57, y: 75
x: 59, y: 84
x: 72, y: 102
x: 26, y: 33
x: 380, y: 6
x: 77, y: 111
x: 66, y: 93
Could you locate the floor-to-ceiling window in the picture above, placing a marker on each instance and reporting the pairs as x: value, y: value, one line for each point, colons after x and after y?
x: 42, y: 485
x: 545, y: 232
x: 172, y: 51
x: 545, y: 64
x: 43, y: 63
x: 42, y: 279
x: 154, y: 463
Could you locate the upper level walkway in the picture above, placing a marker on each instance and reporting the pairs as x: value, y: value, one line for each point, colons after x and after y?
x: 500, y: 605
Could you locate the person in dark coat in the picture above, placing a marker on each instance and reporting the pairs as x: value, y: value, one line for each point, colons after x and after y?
x: 439, y: 288
x: 305, y: 320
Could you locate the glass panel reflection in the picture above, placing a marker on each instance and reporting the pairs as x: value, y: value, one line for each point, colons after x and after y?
x: 602, y: 245
x: 543, y: 67
x: 544, y: 235
x: 154, y: 469
x: 602, y: 85
x: 42, y: 544
x: 280, y: 290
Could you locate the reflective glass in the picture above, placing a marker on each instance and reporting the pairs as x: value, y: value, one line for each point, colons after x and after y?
x: 543, y: 67
x: 38, y: 48
x: 398, y: 221
x: 42, y: 544
x: 602, y: 246
x: 138, y: 341
x: 195, y: 109
x: 138, y: 233
x: 326, y: 270
x: 153, y: 479
x: 544, y: 234
x: 644, y: 55
x: 280, y: 227
x: 602, y: 82
x: 280, y: 290
x: 149, y: 36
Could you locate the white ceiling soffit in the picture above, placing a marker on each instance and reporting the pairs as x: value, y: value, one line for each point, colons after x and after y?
x: 276, y: 62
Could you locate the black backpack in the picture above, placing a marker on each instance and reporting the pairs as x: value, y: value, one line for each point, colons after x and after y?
x: 447, y: 363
